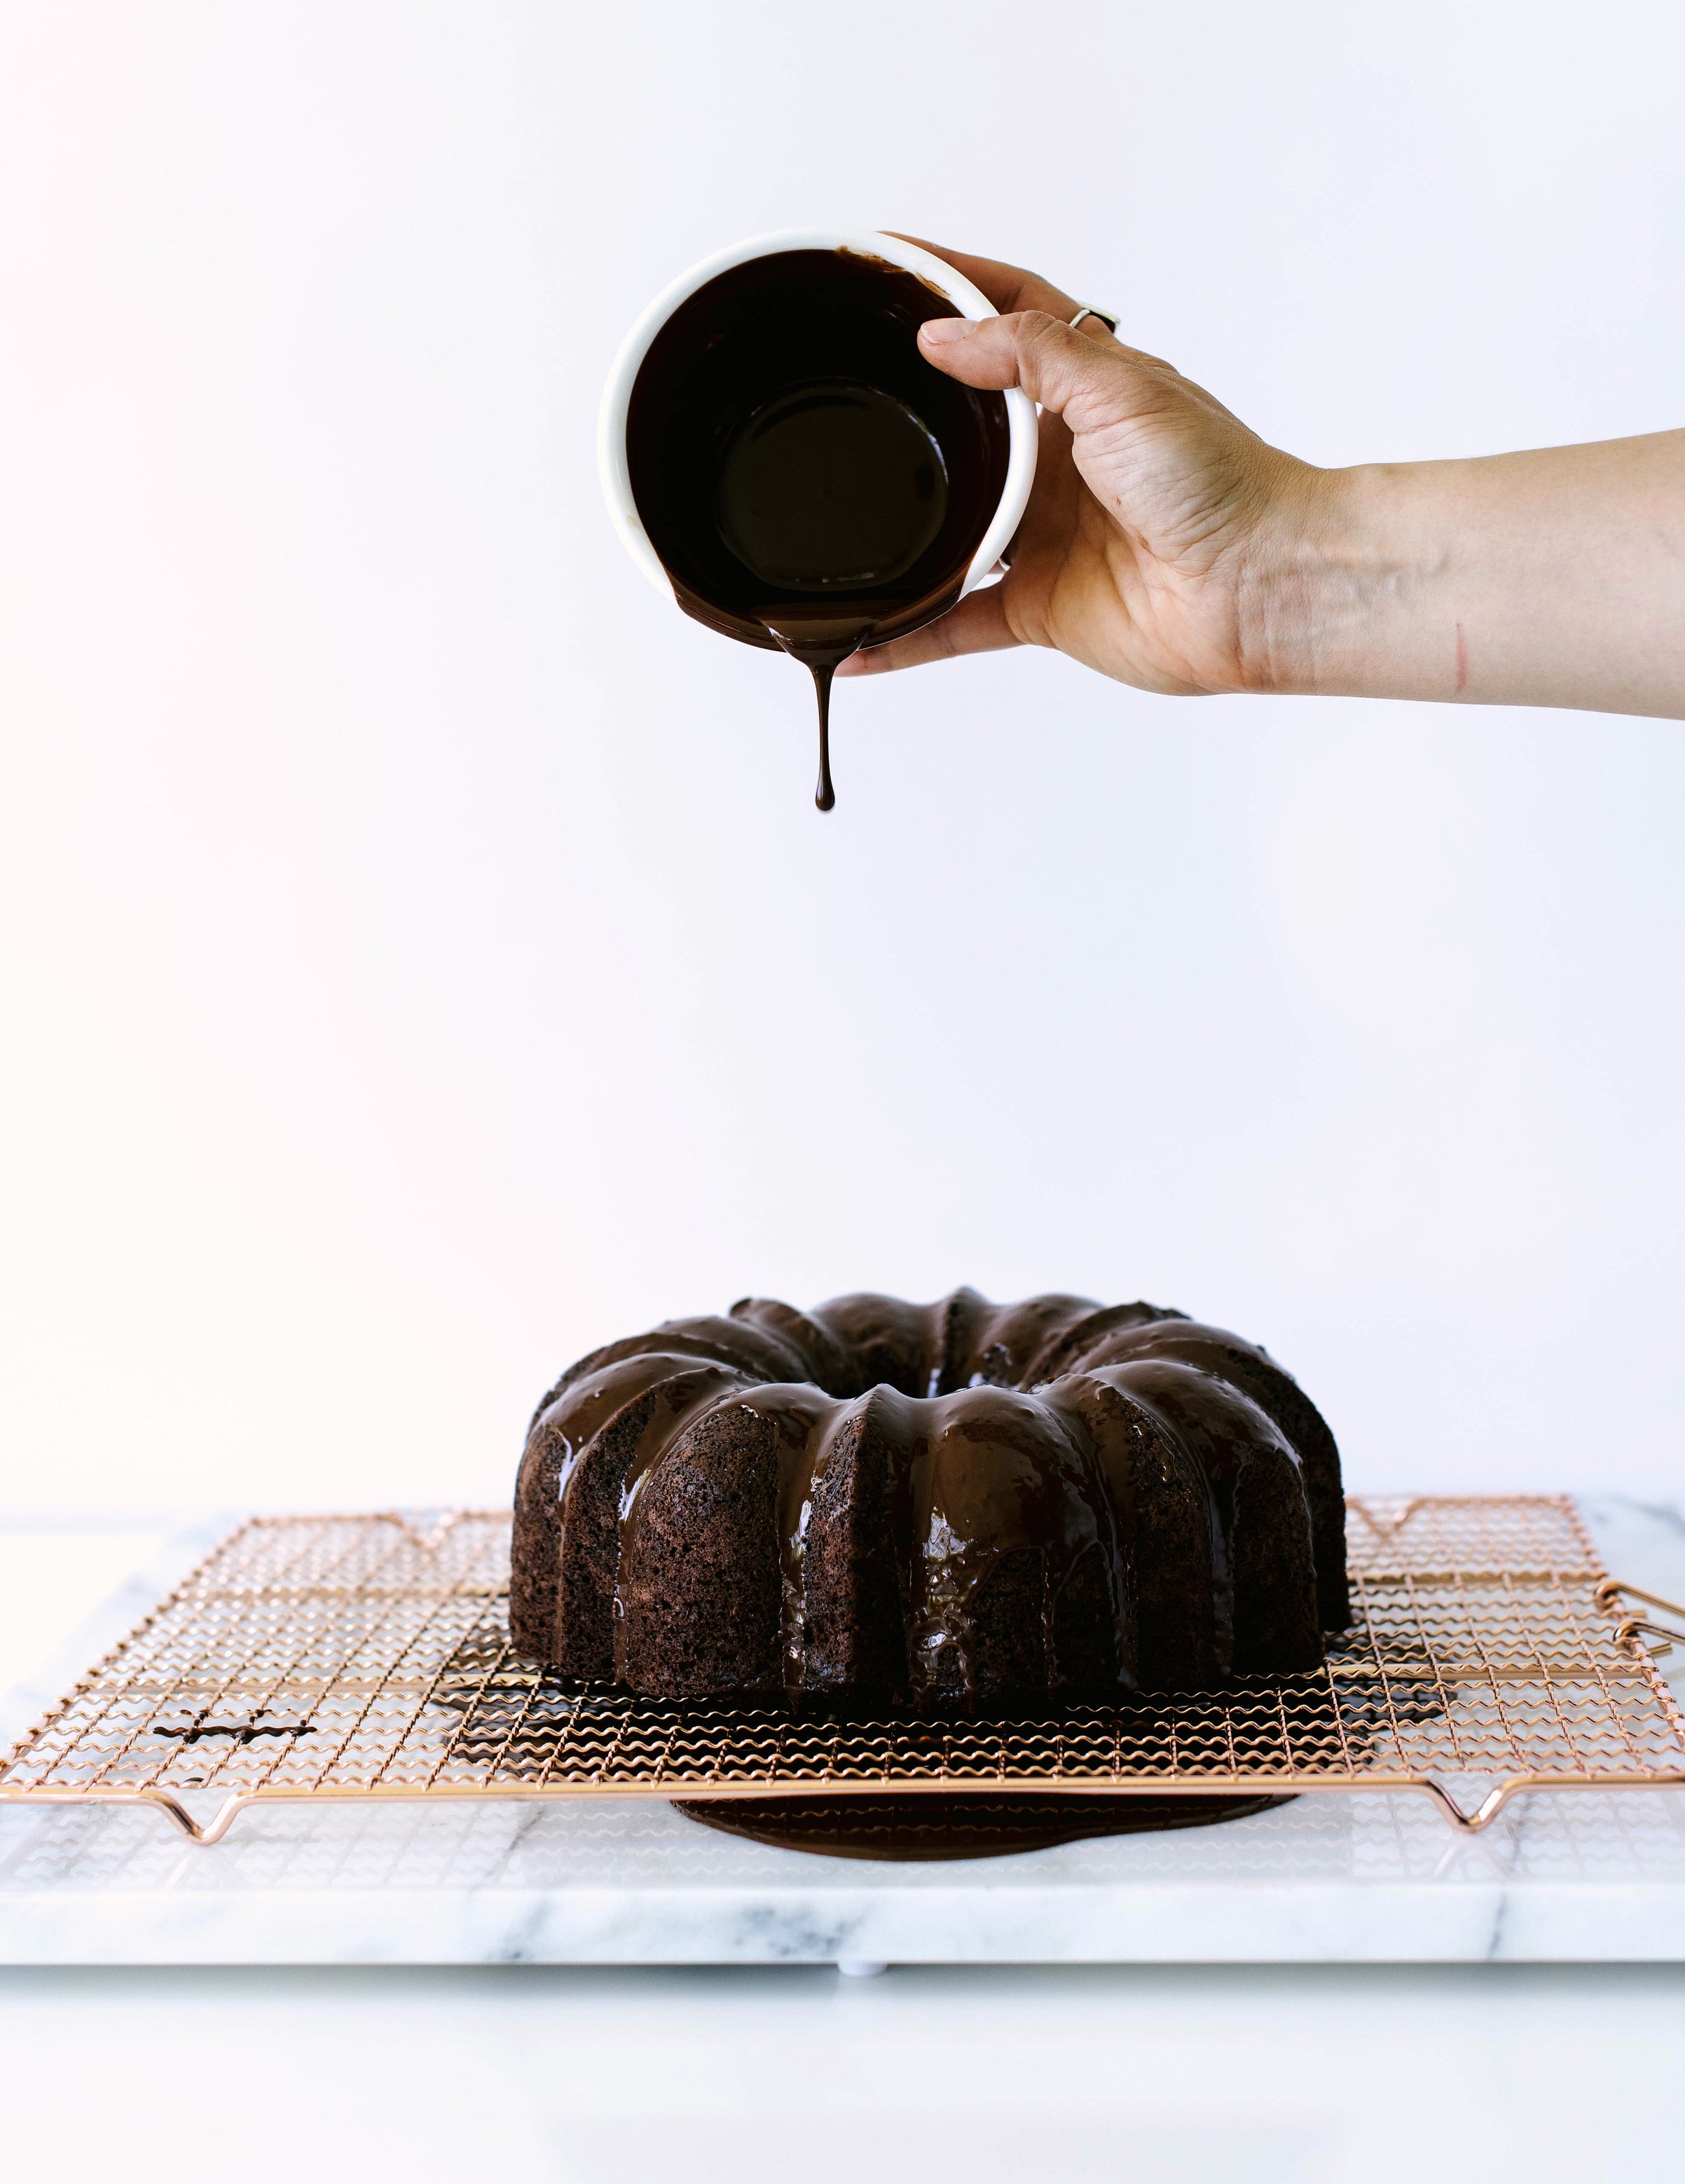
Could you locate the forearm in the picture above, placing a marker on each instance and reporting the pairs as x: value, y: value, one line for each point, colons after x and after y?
x: 1553, y: 578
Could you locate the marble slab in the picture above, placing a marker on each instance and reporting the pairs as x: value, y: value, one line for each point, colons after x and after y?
x: 1338, y: 1878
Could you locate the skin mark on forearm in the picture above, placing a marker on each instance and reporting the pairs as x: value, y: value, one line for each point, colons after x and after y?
x: 1462, y: 660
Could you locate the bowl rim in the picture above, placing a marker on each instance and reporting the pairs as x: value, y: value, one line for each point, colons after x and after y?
x: 966, y: 298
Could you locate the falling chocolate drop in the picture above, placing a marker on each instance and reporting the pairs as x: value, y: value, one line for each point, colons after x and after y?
x: 821, y: 643
x: 824, y: 795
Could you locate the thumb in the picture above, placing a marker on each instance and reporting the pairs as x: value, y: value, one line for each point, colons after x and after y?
x: 1053, y: 364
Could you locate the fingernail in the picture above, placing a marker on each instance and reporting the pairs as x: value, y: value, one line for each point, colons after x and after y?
x: 937, y: 333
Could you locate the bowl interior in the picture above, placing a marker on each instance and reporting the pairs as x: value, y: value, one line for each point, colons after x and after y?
x: 755, y: 343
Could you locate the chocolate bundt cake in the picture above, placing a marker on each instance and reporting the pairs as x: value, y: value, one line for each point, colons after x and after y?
x: 956, y: 1505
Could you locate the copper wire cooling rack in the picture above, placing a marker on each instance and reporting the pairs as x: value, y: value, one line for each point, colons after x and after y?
x: 368, y: 1656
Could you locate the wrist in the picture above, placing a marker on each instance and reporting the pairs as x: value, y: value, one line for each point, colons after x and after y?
x: 1342, y: 596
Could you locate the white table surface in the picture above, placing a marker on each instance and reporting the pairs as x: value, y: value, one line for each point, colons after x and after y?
x: 1135, y: 2071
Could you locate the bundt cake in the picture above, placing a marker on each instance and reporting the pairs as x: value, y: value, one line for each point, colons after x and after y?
x: 952, y: 1506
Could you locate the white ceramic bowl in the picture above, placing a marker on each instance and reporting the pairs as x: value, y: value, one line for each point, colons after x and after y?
x: 617, y: 395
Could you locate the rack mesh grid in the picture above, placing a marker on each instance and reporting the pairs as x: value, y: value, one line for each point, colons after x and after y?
x: 368, y: 1656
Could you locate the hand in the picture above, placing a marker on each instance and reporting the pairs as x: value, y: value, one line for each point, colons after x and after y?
x: 1169, y: 547
x: 1154, y: 513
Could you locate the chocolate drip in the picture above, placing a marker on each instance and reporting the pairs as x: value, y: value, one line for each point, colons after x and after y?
x: 1140, y: 1331
x: 822, y: 646
x: 808, y: 481
x: 587, y: 1454
x: 824, y: 795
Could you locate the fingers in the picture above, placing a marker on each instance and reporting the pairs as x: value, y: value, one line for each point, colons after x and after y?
x: 1053, y: 363
x: 977, y: 624
x: 1008, y: 287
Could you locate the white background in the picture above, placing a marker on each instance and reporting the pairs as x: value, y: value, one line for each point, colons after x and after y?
x: 420, y: 957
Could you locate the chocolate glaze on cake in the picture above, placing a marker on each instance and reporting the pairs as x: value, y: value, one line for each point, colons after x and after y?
x: 955, y: 1506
